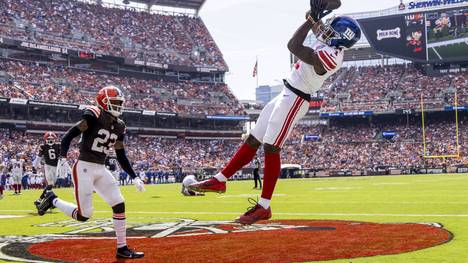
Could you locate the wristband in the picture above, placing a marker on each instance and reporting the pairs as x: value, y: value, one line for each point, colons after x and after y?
x: 311, y: 19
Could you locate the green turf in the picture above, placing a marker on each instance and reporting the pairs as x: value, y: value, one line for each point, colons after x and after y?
x: 449, y: 52
x: 422, y: 198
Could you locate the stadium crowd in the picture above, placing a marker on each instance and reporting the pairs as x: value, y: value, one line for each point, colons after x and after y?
x: 352, y: 89
x: 122, y: 32
x: 358, y: 146
x: 392, y: 87
x: 48, y: 82
x: 339, y: 146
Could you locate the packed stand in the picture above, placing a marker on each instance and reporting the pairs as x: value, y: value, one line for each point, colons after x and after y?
x: 393, y: 87
x: 339, y: 147
x: 48, y: 82
x: 160, y: 38
x: 361, y: 146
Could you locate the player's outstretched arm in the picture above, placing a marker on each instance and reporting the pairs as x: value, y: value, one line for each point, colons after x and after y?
x: 304, y: 53
x: 125, y: 164
x: 72, y: 133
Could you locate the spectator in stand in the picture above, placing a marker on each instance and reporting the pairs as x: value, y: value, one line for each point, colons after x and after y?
x: 341, y: 146
x: 48, y: 82
x: 392, y: 87
x: 123, y: 32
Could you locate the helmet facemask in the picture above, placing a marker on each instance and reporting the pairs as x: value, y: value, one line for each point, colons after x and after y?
x: 325, y: 32
x: 115, y: 105
x: 50, y: 138
x: 50, y: 141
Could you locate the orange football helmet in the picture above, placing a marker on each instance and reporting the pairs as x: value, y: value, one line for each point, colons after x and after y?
x: 50, y: 137
x: 111, y: 99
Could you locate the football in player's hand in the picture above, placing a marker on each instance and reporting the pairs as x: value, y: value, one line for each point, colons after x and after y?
x: 325, y: 4
x: 332, y: 4
x: 321, y: 8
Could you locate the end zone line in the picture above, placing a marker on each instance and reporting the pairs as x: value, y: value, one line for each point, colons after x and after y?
x: 275, y: 213
x: 303, y: 214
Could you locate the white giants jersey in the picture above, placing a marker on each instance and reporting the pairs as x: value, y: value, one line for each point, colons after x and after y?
x: 188, y: 180
x: 303, y: 76
x: 17, y: 166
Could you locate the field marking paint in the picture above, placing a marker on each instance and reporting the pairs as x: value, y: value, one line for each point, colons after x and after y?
x: 300, y: 214
x: 277, y: 213
x: 26, y: 211
x: 336, y: 188
x: 248, y: 195
x: 396, y: 183
x: 15, y: 259
x: 9, y: 216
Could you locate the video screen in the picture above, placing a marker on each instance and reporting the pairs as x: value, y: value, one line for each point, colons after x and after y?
x: 447, y: 34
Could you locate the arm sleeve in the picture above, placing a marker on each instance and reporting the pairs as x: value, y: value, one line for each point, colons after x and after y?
x: 66, y: 140
x: 90, y: 117
x: 124, y: 162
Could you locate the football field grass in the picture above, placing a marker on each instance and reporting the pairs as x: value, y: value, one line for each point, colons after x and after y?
x: 387, y: 199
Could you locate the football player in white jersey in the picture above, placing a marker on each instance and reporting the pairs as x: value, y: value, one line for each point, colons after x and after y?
x: 278, y: 118
x: 189, y: 180
x: 17, y: 169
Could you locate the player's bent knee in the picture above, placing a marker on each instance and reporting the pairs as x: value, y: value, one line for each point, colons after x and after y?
x: 119, y: 209
x: 271, y: 148
x: 253, y: 142
x: 81, y: 218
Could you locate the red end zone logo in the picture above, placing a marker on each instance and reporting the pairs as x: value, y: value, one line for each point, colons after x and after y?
x: 224, y: 241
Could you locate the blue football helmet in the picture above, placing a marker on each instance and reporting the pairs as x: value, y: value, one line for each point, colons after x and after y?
x: 340, y: 32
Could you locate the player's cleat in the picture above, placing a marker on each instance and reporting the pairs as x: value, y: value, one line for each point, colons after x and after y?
x: 46, y: 203
x: 38, y: 201
x: 210, y: 185
x: 126, y: 252
x: 48, y: 188
x: 254, y: 214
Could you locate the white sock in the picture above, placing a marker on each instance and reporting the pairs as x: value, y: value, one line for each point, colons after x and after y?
x: 220, y: 177
x: 66, y: 207
x: 120, y: 229
x: 265, y: 203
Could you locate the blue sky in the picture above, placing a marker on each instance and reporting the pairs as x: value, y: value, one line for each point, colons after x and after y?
x: 245, y: 29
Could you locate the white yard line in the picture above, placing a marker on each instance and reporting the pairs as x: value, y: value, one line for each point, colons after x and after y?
x: 279, y: 213
x: 9, y: 216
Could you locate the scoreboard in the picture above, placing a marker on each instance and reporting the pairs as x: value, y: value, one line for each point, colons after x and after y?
x: 430, y: 36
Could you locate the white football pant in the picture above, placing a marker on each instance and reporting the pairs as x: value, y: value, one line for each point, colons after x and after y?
x: 278, y: 118
x: 50, y: 174
x: 89, y: 177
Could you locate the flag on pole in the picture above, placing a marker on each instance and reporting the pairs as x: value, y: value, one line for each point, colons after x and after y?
x: 255, y: 69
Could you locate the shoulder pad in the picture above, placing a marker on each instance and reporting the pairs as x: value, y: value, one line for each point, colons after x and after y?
x: 328, y: 56
x: 122, y: 123
x: 92, y: 111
